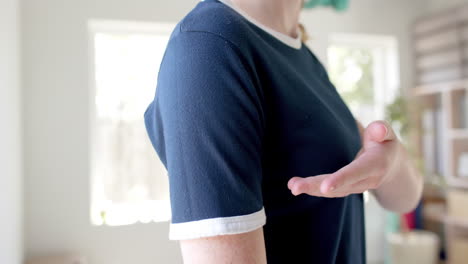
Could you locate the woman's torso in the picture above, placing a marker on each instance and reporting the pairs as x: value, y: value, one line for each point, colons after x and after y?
x: 309, y: 131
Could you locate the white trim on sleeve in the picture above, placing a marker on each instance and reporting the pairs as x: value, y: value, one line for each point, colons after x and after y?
x: 217, y: 226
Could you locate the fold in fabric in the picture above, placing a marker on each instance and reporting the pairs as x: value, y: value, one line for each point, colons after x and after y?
x: 339, y: 5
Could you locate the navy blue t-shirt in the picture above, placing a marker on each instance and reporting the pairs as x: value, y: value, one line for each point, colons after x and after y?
x: 237, y: 113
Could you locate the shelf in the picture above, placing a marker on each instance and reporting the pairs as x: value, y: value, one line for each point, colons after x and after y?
x: 457, y: 182
x: 437, y: 213
x: 456, y: 222
x: 435, y: 88
x: 461, y: 133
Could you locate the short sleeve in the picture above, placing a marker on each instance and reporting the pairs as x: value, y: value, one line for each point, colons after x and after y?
x: 206, y: 124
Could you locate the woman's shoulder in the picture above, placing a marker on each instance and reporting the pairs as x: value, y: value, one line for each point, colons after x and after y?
x: 215, y: 18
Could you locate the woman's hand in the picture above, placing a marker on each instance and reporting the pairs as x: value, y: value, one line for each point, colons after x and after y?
x: 372, y: 168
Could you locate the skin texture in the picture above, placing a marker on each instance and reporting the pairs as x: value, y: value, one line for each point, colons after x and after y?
x: 241, y: 248
x: 382, y: 166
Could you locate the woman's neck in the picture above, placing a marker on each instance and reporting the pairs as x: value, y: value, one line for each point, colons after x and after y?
x: 280, y: 15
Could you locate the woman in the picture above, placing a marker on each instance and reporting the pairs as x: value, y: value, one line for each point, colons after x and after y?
x: 265, y: 161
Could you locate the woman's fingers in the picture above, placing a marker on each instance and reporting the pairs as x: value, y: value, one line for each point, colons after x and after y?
x: 304, y: 186
x: 356, y: 171
x: 342, y: 181
x: 309, y: 185
x: 358, y: 187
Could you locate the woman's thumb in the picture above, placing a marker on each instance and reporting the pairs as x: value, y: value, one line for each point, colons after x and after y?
x: 378, y: 131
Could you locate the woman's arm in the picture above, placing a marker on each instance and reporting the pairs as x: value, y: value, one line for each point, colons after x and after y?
x: 381, y: 166
x: 403, y: 192
x: 246, y: 248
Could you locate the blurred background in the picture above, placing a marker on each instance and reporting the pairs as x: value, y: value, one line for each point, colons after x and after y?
x: 80, y: 183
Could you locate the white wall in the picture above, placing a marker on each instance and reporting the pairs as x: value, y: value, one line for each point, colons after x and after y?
x: 56, y: 102
x: 435, y: 5
x: 10, y: 136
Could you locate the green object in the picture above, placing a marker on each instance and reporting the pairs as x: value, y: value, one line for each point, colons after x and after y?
x: 339, y: 5
x: 392, y: 226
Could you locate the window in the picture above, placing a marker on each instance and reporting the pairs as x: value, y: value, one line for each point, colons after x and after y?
x: 365, y: 71
x: 128, y: 182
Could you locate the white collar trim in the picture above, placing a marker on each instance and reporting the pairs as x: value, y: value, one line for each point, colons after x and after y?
x: 294, y: 43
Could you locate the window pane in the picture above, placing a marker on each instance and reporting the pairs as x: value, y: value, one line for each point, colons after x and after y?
x: 351, y: 70
x: 129, y: 183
